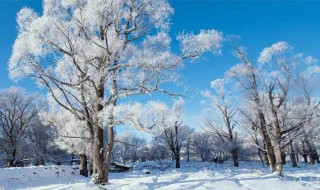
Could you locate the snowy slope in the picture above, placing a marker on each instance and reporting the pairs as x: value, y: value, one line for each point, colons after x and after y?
x: 192, y: 175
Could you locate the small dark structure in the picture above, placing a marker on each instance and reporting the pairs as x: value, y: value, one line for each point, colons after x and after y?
x: 116, y: 167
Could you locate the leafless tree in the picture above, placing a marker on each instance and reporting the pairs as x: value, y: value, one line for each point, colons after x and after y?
x: 17, y: 112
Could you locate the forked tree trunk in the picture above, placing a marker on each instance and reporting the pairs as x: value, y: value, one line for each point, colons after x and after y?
x: 270, y: 152
x: 83, y: 165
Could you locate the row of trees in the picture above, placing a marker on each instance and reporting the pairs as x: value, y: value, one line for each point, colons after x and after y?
x: 277, y: 104
x: 22, y: 134
x: 90, y: 55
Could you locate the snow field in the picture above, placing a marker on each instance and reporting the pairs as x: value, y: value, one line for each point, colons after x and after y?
x: 192, y: 175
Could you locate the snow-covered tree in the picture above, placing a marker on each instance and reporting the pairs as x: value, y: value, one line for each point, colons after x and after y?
x: 202, y: 146
x: 269, y: 105
x: 172, y: 132
x: 73, y: 135
x: 127, y: 148
x: 224, y: 125
x: 88, y: 54
x: 40, y: 142
x: 17, y: 113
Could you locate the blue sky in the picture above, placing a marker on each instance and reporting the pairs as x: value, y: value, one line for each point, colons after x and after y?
x: 259, y: 23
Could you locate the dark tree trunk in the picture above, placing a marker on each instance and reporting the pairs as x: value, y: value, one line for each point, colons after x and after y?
x: 177, y: 146
x: 312, y: 161
x: 260, y: 156
x: 235, y: 160
x: 266, y: 157
x: 292, y: 156
x: 98, y: 156
x: 83, y: 165
x: 283, y: 158
x: 188, y: 154
x: 312, y: 153
x: 177, y: 162
x: 91, y: 164
x: 11, y: 160
x: 304, y: 152
x: 305, y: 157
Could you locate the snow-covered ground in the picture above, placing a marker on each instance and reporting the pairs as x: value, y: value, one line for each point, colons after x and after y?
x: 192, y: 175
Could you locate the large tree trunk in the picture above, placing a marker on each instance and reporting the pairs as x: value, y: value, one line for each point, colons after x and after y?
x: 312, y: 152
x: 262, y: 121
x: 292, y: 156
x: 99, y: 177
x: 177, y: 162
x: 11, y: 160
x: 279, y: 162
x: 312, y: 161
x: 270, y: 152
x: 83, y: 165
x: 235, y: 160
x: 109, y: 151
x: 304, y: 153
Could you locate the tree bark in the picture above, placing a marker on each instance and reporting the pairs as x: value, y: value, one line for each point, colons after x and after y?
x: 312, y: 161
x: 261, y: 158
x: 177, y: 147
x: 12, y: 159
x: 109, y: 151
x: 83, y: 165
x: 283, y: 157
x: 99, y: 177
x: 91, y: 164
x: 177, y: 162
x: 305, y: 158
x: 279, y: 163
x: 234, y: 155
x: 270, y: 152
x: 312, y: 152
x: 292, y: 156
